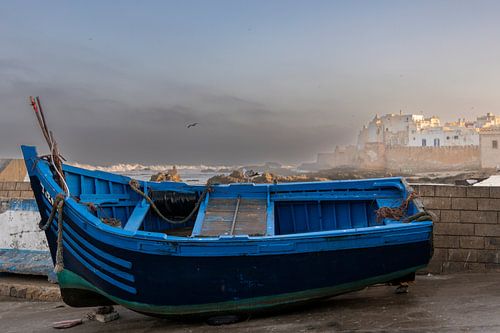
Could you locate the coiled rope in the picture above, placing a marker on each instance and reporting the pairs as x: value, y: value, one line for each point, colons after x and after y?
x: 395, y: 213
x: 136, y: 187
x: 401, y: 213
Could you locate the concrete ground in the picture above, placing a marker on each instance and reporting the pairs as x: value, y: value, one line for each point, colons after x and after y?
x: 447, y: 303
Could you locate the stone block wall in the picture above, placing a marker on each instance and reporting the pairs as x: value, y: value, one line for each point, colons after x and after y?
x: 467, y: 229
x: 15, y: 190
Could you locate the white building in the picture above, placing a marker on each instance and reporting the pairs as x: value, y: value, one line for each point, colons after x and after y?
x: 444, y: 137
x: 394, y: 129
x: 490, y: 147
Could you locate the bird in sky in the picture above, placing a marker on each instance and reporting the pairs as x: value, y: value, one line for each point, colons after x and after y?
x: 191, y: 125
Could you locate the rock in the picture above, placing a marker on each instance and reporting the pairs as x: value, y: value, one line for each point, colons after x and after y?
x: 104, y: 318
x: 105, y: 314
x: 235, y: 177
x: 21, y: 293
x: 237, y: 174
x: 104, y: 309
x: 301, y: 178
x: 265, y: 178
x: 170, y: 176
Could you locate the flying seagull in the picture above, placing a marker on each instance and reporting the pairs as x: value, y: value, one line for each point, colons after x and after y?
x: 191, y: 125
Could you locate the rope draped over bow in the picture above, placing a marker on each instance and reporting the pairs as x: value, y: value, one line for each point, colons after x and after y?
x: 136, y: 187
x: 57, y: 207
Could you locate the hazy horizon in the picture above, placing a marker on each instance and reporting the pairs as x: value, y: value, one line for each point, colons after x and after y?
x: 266, y: 81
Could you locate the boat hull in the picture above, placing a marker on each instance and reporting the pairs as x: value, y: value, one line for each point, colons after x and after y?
x: 176, y: 285
x: 75, y: 290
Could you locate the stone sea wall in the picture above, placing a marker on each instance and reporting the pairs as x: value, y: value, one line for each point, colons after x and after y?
x: 467, y: 229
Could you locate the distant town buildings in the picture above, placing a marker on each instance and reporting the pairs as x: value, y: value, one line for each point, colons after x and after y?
x: 414, y: 130
x: 415, y: 142
x: 490, y: 120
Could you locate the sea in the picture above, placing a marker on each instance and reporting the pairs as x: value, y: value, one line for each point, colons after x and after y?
x: 191, y: 174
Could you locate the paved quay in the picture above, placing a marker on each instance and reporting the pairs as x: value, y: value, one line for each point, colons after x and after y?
x: 438, y: 303
x: 29, y: 287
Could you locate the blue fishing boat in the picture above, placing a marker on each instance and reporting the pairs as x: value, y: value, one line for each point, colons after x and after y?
x: 174, y: 249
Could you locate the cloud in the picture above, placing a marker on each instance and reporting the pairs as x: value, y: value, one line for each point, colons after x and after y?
x: 94, y: 125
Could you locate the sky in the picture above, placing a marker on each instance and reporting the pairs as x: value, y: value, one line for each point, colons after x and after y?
x: 265, y: 80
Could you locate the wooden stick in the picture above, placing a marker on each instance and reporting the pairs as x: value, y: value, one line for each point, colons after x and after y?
x: 233, y: 225
x: 36, y: 110
x: 41, y: 113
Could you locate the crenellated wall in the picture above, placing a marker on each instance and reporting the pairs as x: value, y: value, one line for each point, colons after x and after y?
x: 420, y: 159
x: 376, y: 156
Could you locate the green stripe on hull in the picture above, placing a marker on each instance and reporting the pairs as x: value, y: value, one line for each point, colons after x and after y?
x: 68, y: 279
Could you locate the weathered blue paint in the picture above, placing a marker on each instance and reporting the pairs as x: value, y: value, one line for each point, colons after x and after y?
x: 25, y: 261
x: 320, y: 236
x: 28, y: 205
x: 22, y: 248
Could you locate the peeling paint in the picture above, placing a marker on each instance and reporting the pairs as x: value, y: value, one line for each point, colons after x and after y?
x: 23, y: 246
x: 19, y: 224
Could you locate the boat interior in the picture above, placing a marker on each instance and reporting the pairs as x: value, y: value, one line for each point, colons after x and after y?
x: 236, y: 209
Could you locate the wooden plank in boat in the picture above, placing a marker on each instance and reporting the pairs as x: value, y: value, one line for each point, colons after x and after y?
x: 215, y: 205
x: 250, y: 219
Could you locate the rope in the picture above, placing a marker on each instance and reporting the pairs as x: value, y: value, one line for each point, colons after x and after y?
x: 57, y: 207
x: 134, y: 184
x: 400, y: 213
x: 93, y: 208
x: 59, y: 252
x: 395, y: 213
x: 419, y: 217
